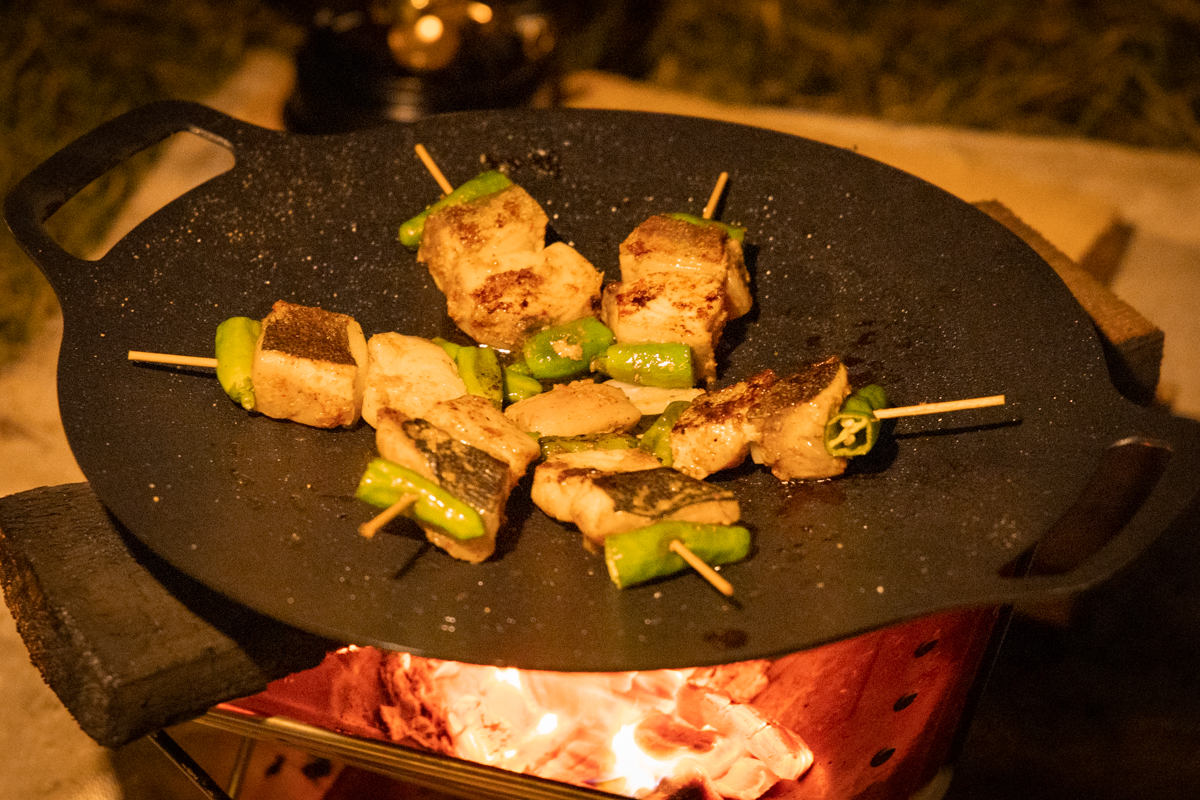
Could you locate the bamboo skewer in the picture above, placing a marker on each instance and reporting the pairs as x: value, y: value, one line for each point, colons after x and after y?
x: 430, y: 165
x: 715, y: 197
x: 372, y: 526
x: 708, y: 573
x: 939, y: 408
x: 168, y: 358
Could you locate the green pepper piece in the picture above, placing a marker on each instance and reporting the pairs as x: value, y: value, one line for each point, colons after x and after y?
x: 518, y: 386
x: 854, y: 430
x: 645, y: 553
x: 450, y: 347
x: 237, y: 338
x: 481, y: 185
x: 479, y: 368
x: 385, y: 482
x: 657, y: 438
x: 663, y: 364
x: 566, y: 350
x: 733, y: 231
x: 552, y: 445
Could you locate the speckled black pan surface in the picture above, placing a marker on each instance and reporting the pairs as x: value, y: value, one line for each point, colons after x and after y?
x: 913, y: 288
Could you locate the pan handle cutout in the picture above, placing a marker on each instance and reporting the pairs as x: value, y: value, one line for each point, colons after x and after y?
x: 1127, y: 473
x: 90, y: 163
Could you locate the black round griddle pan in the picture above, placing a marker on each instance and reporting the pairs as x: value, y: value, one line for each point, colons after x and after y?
x: 913, y: 288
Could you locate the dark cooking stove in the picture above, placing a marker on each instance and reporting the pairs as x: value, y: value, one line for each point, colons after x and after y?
x: 187, y: 647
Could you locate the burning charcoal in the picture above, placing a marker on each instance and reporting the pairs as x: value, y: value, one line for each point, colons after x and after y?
x: 660, y: 736
x: 782, y: 750
x: 747, y: 779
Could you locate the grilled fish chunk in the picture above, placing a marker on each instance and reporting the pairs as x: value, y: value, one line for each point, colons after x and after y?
x: 602, y: 502
x: 476, y: 421
x: 717, y: 430
x: 501, y: 301
x: 791, y: 417
x: 669, y: 307
x: 409, y: 374
x: 665, y: 244
x: 622, y: 501
x: 473, y: 476
x: 561, y: 479
x: 509, y: 221
x: 575, y: 409
x: 309, y: 366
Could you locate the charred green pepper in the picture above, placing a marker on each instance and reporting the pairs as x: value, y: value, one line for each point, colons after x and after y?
x: 518, y: 383
x: 385, y: 482
x: 664, y: 364
x: 237, y: 338
x: 552, y: 445
x: 854, y: 429
x: 657, y: 438
x: 566, y: 350
x: 481, y: 185
x: 479, y: 368
x: 645, y: 553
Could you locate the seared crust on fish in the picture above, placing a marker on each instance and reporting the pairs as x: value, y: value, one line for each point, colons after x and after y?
x: 665, y: 244
x: 488, y: 256
x: 791, y: 419
x: 669, y: 307
x: 309, y: 366
x: 715, y: 432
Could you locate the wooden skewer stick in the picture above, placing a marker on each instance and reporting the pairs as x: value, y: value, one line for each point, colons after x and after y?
x: 938, y: 408
x: 715, y: 197
x: 372, y: 526
x: 167, y: 358
x: 427, y: 160
x: 695, y: 562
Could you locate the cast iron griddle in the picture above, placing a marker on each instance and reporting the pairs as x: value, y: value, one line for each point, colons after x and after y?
x: 913, y: 288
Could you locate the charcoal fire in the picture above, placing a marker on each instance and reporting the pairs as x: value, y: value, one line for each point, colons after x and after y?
x: 642, y: 734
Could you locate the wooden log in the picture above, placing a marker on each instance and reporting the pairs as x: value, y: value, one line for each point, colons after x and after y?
x: 128, y: 643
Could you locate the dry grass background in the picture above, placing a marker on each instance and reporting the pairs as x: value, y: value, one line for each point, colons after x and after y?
x: 1104, y: 69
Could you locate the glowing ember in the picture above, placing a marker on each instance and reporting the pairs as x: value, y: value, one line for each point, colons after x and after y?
x: 631, y: 733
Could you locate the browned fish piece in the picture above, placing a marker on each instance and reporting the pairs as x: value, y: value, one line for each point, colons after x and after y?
x: 716, y: 431
x: 665, y: 244
x: 791, y: 418
x: 473, y: 476
x: 669, y: 307
x: 309, y: 366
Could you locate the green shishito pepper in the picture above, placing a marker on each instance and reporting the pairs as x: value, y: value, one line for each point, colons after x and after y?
x: 566, y: 350
x: 450, y: 347
x: 479, y: 368
x: 385, y: 482
x: 854, y: 430
x: 481, y: 185
x: 518, y: 383
x: 643, y: 554
x: 236, y: 339
x: 552, y: 445
x: 657, y: 438
x: 733, y: 231
x: 663, y: 364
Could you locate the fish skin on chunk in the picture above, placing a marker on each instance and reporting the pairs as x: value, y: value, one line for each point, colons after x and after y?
x: 562, y: 478
x: 309, y: 366
x: 478, y: 422
x: 468, y: 473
